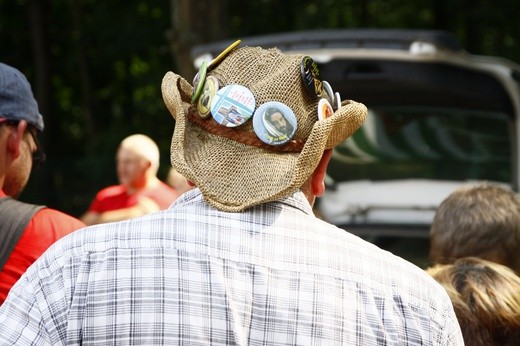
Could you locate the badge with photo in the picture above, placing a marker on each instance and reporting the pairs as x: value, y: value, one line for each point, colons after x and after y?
x: 232, y: 105
x: 208, y: 92
x: 274, y: 123
x: 324, y: 109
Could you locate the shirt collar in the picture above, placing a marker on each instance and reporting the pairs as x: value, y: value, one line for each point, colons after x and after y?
x: 296, y: 200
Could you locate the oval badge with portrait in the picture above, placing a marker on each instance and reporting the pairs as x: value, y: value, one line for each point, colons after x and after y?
x: 208, y: 91
x: 324, y: 109
x: 274, y: 123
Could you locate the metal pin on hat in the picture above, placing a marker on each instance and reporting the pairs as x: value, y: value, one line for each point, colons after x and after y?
x: 311, y: 76
x: 198, y: 81
x: 232, y: 105
x: 324, y: 109
x: 211, y: 86
x: 223, y: 54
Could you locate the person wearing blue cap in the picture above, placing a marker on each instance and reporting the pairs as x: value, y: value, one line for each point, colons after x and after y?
x: 27, y: 230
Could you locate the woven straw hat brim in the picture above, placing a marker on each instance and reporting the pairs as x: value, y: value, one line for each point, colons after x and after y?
x: 234, y: 176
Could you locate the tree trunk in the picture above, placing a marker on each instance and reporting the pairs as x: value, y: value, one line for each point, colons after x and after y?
x: 41, y: 85
x: 41, y: 81
x: 195, y: 22
x: 81, y: 58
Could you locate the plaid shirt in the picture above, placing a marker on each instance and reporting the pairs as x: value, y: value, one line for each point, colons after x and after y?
x: 272, y: 275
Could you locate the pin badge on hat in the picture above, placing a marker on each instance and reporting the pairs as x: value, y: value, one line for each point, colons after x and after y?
x: 232, y: 105
x: 209, y: 90
x: 311, y: 76
x: 328, y: 91
x: 225, y: 52
x: 198, y: 81
x: 324, y: 109
x: 274, y: 123
x: 337, y: 100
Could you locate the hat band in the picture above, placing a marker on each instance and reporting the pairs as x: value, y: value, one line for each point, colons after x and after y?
x: 247, y: 138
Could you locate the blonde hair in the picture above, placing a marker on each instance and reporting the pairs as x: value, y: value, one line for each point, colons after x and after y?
x: 145, y: 147
x: 485, y: 297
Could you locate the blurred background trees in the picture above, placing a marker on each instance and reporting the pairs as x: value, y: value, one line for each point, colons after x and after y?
x: 96, y: 66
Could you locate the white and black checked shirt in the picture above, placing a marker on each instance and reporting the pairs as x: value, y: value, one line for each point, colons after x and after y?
x: 273, y: 275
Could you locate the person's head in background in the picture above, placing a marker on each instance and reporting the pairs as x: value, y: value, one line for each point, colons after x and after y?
x: 20, y: 123
x: 485, y: 297
x: 481, y: 220
x: 178, y: 181
x: 137, y: 161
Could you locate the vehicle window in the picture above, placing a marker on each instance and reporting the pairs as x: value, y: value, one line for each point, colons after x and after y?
x: 424, y: 143
x: 398, y: 143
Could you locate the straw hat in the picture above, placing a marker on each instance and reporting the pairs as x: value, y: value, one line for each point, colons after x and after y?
x: 232, y: 166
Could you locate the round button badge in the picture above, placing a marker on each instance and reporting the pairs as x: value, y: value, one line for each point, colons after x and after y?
x: 208, y: 92
x: 324, y: 109
x: 225, y: 52
x: 198, y: 81
x: 328, y: 91
x: 232, y: 105
x: 337, y: 100
x: 274, y: 123
x: 311, y: 76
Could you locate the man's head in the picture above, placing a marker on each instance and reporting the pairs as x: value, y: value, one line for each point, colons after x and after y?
x: 232, y: 166
x: 20, y: 121
x: 16, y: 98
x: 480, y: 220
x: 137, y: 160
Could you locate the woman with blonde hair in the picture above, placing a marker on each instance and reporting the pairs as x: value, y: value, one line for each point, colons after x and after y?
x: 485, y: 297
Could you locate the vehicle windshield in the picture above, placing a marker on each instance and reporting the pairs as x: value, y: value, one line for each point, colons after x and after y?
x: 426, y: 143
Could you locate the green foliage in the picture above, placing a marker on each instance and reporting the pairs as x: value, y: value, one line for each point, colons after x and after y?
x: 106, y: 60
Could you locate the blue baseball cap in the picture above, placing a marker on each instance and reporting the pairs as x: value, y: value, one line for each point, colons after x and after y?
x: 17, y: 101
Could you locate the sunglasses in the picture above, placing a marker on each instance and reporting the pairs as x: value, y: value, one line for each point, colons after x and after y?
x: 38, y: 156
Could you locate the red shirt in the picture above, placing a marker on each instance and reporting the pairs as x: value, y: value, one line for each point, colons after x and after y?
x: 115, y: 197
x: 46, y: 226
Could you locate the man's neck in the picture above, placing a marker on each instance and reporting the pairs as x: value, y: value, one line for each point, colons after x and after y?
x: 149, y: 183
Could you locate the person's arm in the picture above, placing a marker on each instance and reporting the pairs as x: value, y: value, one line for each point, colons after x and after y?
x: 144, y: 206
x: 90, y: 218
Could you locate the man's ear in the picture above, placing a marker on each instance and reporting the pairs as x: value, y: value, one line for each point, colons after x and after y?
x: 318, y: 178
x: 15, y: 137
